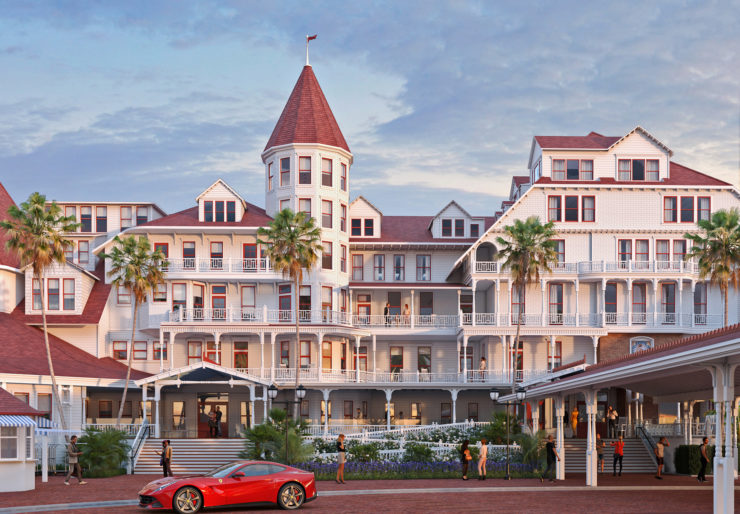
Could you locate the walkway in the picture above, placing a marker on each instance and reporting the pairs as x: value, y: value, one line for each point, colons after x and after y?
x: 632, y: 493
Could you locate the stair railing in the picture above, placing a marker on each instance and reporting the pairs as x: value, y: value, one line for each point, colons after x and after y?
x: 648, y: 441
x: 133, y: 454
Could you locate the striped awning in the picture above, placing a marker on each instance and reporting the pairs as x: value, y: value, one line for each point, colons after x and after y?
x: 8, y: 420
x: 45, y: 423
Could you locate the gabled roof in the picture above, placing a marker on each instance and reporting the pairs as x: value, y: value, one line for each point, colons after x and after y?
x: 592, y: 141
x: 201, y: 371
x: 90, y: 314
x: 453, y: 202
x: 227, y: 186
x: 253, y: 217
x: 7, y: 257
x: 22, y: 352
x: 367, y: 202
x: 415, y: 229
x: 9, y: 404
x: 72, y: 265
x: 307, y: 117
x: 647, y: 135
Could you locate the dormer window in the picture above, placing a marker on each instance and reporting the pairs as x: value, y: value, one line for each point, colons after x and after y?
x: 459, y: 228
x: 356, y: 227
x: 208, y: 211
x: 572, y: 169
x: 474, y: 230
x: 639, y: 169
x: 369, y: 227
x: 219, y: 211
x: 142, y: 215
x: 446, y: 228
x: 230, y: 211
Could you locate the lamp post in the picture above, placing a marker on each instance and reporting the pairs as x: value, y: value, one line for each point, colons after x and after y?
x: 520, y: 395
x: 300, y: 394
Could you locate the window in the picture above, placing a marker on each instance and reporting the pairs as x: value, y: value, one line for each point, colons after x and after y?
x: 68, y: 294
x: 556, y: 304
x: 472, y: 411
x: 517, y: 359
x: 558, y: 169
x: 572, y: 169
x: 343, y: 259
x: 396, y: 359
x: 679, y: 251
x: 394, y: 299
x: 639, y: 303
x: 459, y: 228
x: 119, y: 350
x: 325, y: 410
x: 587, y: 170
x: 327, y: 304
x: 162, y: 248
x: 70, y: 211
x: 343, y: 300
x: 642, y: 253
x: 357, y: 267
x: 24, y: 397
x: 198, y: 295
x: 327, y: 179
x: 36, y: 294
x: 343, y: 218
x: 399, y: 268
x: 362, y: 358
x: 142, y: 215
x: 588, y: 208
x: 703, y: 208
x: 474, y: 230
x: 43, y: 404
x: 363, y: 305
x: 668, y: 302
x: 632, y: 169
x: 213, y: 352
x: 105, y: 408
x: 670, y: 209
x: 159, y: 351
x: 326, y: 255
x: 445, y: 412
x: 638, y: 169
x: 369, y: 227
x: 241, y: 354
x: 304, y: 170
x: 52, y: 299
x: 217, y: 255
x: 446, y: 228
x: 284, y: 300
x: 248, y: 302
x: 285, y: 171
x: 269, y: 176
x: 687, y: 209
x: 249, y: 254
x: 326, y: 213
x: 423, y: 267
x: 415, y: 410
x: 610, y: 302
x: 69, y: 252
x: 379, y: 268
x: 517, y: 305
x: 218, y: 301
x: 188, y: 254
x: 557, y: 359
x: 231, y: 211
x: 652, y: 170
x: 326, y: 347
x: 571, y: 208
x: 208, y: 211
x: 343, y: 178
x: 424, y: 359
x: 348, y: 409
x: 624, y: 251
x: 284, y: 354
x: 178, y: 296
x: 219, y: 211
x: 86, y: 219
x: 178, y: 415
x: 553, y: 208
x: 284, y: 204
x: 625, y: 169
x: 466, y: 303
x: 356, y: 227
x: 195, y: 351
x: 426, y: 303
x: 700, y: 303
x: 305, y: 354
x: 126, y: 217
x: 127, y: 411
x: 466, y: 358
x: 560, y: 250
x: 101, y: 219
x: 140, y: 350
x: 662, y: 253
x: 83, y: 252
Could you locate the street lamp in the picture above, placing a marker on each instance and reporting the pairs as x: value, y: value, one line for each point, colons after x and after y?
x: 521, y: 394
x: 300, y: 394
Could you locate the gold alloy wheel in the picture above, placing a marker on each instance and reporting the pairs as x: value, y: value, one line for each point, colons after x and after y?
x: 188, y: 500
x: 291, y: 496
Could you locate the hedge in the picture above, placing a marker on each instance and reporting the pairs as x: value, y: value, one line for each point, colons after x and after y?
x: 688, y: 456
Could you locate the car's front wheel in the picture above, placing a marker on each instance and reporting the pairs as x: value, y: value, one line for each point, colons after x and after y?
x: 291, y: 496
x: 187, y: 500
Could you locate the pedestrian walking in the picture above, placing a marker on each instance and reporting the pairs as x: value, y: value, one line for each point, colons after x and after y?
x: 703, y: 460
x: 600, y: 444
x: 659, y: 451
x: 219, y: 415
x: 482, y: 459
x: 552, y: 457
x: 618, y: 454
x: 611, y: 418
x: 341, y: 453
x: 73, y: 453
x: 465, y: 457
x: 165, y: 458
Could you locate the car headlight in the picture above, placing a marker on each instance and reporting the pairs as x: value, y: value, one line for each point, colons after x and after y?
x: 161, y: 487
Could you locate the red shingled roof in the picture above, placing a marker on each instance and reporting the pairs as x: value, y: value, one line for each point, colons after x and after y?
x: 307, y: 117
x: 680, y: 176
x: 90, y: 314
x: 22, y: 352
x: 253, y: 217
x: 7, y: 258
x: 413, y: 229
x: 520, y: 179
x: 593, y: 141
x: 10, y: 405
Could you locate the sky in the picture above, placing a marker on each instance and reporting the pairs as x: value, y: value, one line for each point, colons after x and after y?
x: 149, y: 100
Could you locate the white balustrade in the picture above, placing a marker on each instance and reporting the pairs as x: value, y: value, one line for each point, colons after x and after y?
x: 486, y: 267
x: 219, y: 265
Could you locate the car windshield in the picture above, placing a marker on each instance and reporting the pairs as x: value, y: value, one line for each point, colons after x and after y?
x: 224, y: 470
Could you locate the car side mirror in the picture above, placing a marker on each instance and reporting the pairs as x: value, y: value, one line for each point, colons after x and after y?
x: 238, y: 474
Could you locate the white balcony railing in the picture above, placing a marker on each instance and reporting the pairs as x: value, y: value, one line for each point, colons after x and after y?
x: 395, y: 321
x: 250, y: 315
x: 587, y: 267
x: 219, y: 265
x: 486, y: 267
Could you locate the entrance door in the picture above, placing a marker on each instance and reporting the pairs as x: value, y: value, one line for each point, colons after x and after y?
x: 208, y: 409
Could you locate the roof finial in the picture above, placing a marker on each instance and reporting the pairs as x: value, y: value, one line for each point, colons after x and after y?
x: 309, y: 38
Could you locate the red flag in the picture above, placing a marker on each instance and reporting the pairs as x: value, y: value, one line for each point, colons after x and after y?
x: 309, y: 38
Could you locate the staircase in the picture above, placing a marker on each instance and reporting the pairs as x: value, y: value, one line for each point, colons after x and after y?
x: 637, y: 458
x: 189, y: 456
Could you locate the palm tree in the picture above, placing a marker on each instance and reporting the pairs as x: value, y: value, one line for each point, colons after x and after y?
x: 527, y: 251
x: 137, y: 268
x: 36, y: 233
x: 717, y: 249
x: 292, y: 242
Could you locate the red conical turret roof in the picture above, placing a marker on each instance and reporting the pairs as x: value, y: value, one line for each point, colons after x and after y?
x: 307, y: 117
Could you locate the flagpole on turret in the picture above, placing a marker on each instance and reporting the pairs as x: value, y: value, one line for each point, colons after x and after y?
x: 309, y: 38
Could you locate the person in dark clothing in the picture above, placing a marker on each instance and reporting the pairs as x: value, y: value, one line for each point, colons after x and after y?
x: 341, y: 452
x: 552, y: 457
x: 74, y: 466
x: 704, y: 460
x: 166, y: 458
x: 387, y: 313
x: 465, y: 457
x: 219, y: 415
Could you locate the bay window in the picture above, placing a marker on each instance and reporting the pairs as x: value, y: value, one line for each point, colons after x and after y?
x: 327, y: 177
x: 343, y: 218
x: 327, y: 256
x: 343, y: 259
x: 343, y: 178
x: 326, y: 214
x: 285, y: 171
x: 304, y: 170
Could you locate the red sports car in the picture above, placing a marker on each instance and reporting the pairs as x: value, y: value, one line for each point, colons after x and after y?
x: 237, y: 483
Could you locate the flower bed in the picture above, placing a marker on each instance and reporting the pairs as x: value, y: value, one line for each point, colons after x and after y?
x: 386, y: 470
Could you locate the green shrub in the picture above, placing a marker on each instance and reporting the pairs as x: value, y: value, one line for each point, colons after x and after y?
x: 687, y: 458
x: 267, y: 441
x: 496, y: 431
x: 360, y: 452
x: 416, y: 452
x: 104, y: 452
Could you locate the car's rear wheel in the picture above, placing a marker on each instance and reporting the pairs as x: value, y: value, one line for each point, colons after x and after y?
x: 187, y: 500
x: 291, y: 496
